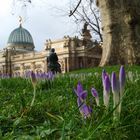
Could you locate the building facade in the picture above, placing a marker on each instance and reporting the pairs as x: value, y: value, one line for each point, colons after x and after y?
x: 19, y: 56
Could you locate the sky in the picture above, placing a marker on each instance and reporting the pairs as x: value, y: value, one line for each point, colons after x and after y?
x: 44, y: 19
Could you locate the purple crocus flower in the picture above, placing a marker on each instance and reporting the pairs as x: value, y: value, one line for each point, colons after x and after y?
x: 95, y: 94
x: 79, y: 88
x: 103, y: 75
x: 106, y: 86
x: 116, y: 92
x: 115, y: 84
x: 43, y: 75
x: 33, y: 78
x: 122, y: 79
x: 84, y: 109
x: 80, y: 92
x: 50, y: 75
x: 28, y: 74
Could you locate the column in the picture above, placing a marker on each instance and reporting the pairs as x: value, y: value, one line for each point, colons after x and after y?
x: 33, y: 66
x: 22, y: 69
x: 68, y: 65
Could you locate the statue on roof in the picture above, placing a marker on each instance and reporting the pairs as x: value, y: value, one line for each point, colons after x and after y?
x: 86, y: 34
x: 20, y: 21
x: 85, y: 27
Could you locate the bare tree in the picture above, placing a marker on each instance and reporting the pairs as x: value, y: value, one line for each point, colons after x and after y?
x: 87, y: 11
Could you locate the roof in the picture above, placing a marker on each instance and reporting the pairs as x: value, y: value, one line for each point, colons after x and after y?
x: 20, y: 36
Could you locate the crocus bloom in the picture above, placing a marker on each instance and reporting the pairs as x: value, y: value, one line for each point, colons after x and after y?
x: 122, y: 79
x: 115, y: 90
x: 79, y: 88
x: 103, y: 75
x: 80, y: 92
x: 84, y: 109
x: 122, y: 84
x: 50, y: 75
x: 106, y: 86
x: 95, y: 94
x: 33, y: 78
x: 115, y: 84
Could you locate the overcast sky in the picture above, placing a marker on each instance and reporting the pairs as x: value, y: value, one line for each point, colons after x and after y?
x: 44, y: 19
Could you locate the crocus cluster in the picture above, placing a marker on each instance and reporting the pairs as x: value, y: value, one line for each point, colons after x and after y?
x: 85, y: 110
x: 117, y: 90
x: 4, y: 76
x: 42, y: 75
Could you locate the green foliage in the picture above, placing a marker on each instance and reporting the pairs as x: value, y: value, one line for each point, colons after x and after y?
x: 55, y: 114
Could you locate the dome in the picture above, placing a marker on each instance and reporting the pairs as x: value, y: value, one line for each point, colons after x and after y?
x: 21, y: 38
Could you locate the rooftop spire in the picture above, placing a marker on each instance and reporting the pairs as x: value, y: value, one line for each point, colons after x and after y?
x: 20, y: 21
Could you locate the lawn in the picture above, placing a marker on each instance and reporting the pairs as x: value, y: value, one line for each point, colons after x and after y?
x: 55, y: 115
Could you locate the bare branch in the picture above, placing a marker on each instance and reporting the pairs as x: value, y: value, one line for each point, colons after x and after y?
x: 89, y: 20
x: 72, y: 12
x: 97, y: 21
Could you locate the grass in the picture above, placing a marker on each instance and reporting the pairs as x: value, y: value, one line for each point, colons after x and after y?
x: 55, y: 115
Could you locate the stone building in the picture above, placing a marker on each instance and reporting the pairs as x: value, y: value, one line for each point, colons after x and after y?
x: 19, y: 55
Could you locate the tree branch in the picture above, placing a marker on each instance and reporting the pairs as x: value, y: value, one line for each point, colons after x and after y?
x: 72, y: 12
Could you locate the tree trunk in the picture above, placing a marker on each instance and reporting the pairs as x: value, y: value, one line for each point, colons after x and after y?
x: 121, y: 31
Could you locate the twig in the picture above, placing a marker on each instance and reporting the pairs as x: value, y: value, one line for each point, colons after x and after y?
x: 72, y: 12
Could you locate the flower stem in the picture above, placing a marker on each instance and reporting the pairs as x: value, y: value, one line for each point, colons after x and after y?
x: 33, y: 99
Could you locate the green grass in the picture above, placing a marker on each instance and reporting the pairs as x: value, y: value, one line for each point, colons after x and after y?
x: 55, y: 115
